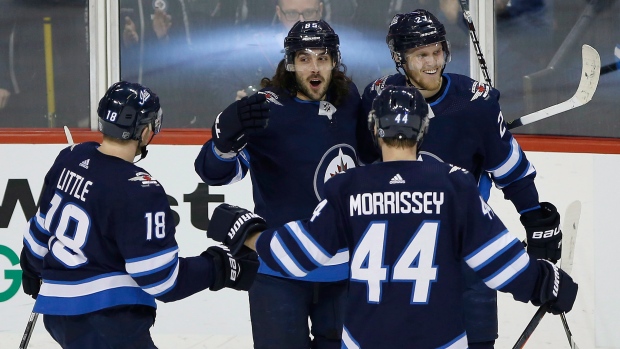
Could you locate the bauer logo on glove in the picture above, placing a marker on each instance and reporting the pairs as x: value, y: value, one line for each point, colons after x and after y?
x: 545, y: 234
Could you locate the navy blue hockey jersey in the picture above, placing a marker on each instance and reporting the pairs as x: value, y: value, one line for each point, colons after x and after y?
x: 468, y: 130
x: 408, y: 225
x: 304, y: 145
x: 104, y: 236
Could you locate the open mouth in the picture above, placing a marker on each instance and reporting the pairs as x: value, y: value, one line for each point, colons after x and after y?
x: 433, y: 71
x: 315, y: 82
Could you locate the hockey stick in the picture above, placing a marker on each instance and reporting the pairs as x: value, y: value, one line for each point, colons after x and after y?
x: 474, y: 40
x: 590, y: 72
x: 28, y: 332
x: 573, y: 212
x: 609, y: 68
x: 568, y: 255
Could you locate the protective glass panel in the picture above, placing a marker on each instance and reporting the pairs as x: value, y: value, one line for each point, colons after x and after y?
x: 44, y: 63
x: 201, y: 55
x: 539, y: 63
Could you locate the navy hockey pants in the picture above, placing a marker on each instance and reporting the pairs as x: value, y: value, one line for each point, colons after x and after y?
x: 124, y: 327
x: 280, y: 308
x: 479, y: 310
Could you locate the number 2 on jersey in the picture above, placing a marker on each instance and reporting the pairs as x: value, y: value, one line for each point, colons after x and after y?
x: 415, y: 263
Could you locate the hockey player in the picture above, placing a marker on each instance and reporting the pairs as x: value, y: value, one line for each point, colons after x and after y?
x: 103, y: 239
x: 305, y: 133
x: 407, y: 226
x: 468, y: 131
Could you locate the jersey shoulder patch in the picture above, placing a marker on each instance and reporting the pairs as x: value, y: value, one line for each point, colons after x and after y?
x: 145, y: 179
x: 271, y: 97
x: 379, y: 84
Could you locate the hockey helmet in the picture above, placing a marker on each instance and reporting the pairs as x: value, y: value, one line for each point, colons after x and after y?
x: 310, y: 34
x: 126, y: 109
x: 415, y: 29
x: 400, y: 112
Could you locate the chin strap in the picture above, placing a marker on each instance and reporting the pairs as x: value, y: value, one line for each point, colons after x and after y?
x: 143, y: 150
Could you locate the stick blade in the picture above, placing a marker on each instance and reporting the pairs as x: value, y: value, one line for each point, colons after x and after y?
x: 570, y: 225
x: 590, y: 73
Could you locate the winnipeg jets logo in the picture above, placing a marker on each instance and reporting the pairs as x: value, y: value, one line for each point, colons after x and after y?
x: 271, y: 97
x: 479, y: 90
x: 144, y: 96
x: 145, y: 178
x: 336, y: 160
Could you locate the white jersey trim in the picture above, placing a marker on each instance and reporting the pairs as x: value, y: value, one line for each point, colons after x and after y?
x: 55, y: 289
x: 281, y: 254
x: 150, y: 265
x: 487, y: 253
x: 512, y: 269
x: 510, y: 163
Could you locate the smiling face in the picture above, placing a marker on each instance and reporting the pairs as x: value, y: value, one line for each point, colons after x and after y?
x: 423, y: 67
x: 313, y: 72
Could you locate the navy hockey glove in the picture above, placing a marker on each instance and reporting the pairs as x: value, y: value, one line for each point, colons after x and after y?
x: 555, y: 287
x: 232, y: 272
x: 231, y: 225
x: 31, y: 283
x: 544, y: 237
x: 246, y: 116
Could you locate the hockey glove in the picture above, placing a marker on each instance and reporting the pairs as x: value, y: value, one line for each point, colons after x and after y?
x: 544, y: 237
x: 231, y: 225
x: 31, y: 283
x: 240, y: 119
x: 232, y: 272
x: 556, y: 287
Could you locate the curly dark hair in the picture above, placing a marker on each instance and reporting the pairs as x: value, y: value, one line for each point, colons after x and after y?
x: 284, y: 80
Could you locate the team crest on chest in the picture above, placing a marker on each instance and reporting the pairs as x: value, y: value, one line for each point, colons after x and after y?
x: 336, y: 160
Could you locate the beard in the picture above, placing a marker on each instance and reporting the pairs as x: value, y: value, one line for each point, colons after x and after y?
x: 426, y: 83
x: 303, y: 85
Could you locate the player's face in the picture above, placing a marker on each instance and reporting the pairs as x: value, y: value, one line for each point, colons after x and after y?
x: 291, y: 11
x: 313, y: 72
x: 424, y: 65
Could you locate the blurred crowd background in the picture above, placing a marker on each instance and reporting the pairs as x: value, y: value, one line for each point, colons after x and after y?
x: 200, y: 55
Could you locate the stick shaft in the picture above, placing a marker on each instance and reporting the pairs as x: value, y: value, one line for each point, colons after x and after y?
x: 28, y: 331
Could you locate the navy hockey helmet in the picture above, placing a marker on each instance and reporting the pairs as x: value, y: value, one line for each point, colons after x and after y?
x: 400, y: 112
x: 310, y: 34
x: 126, y: 109
x: 415, y: 29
